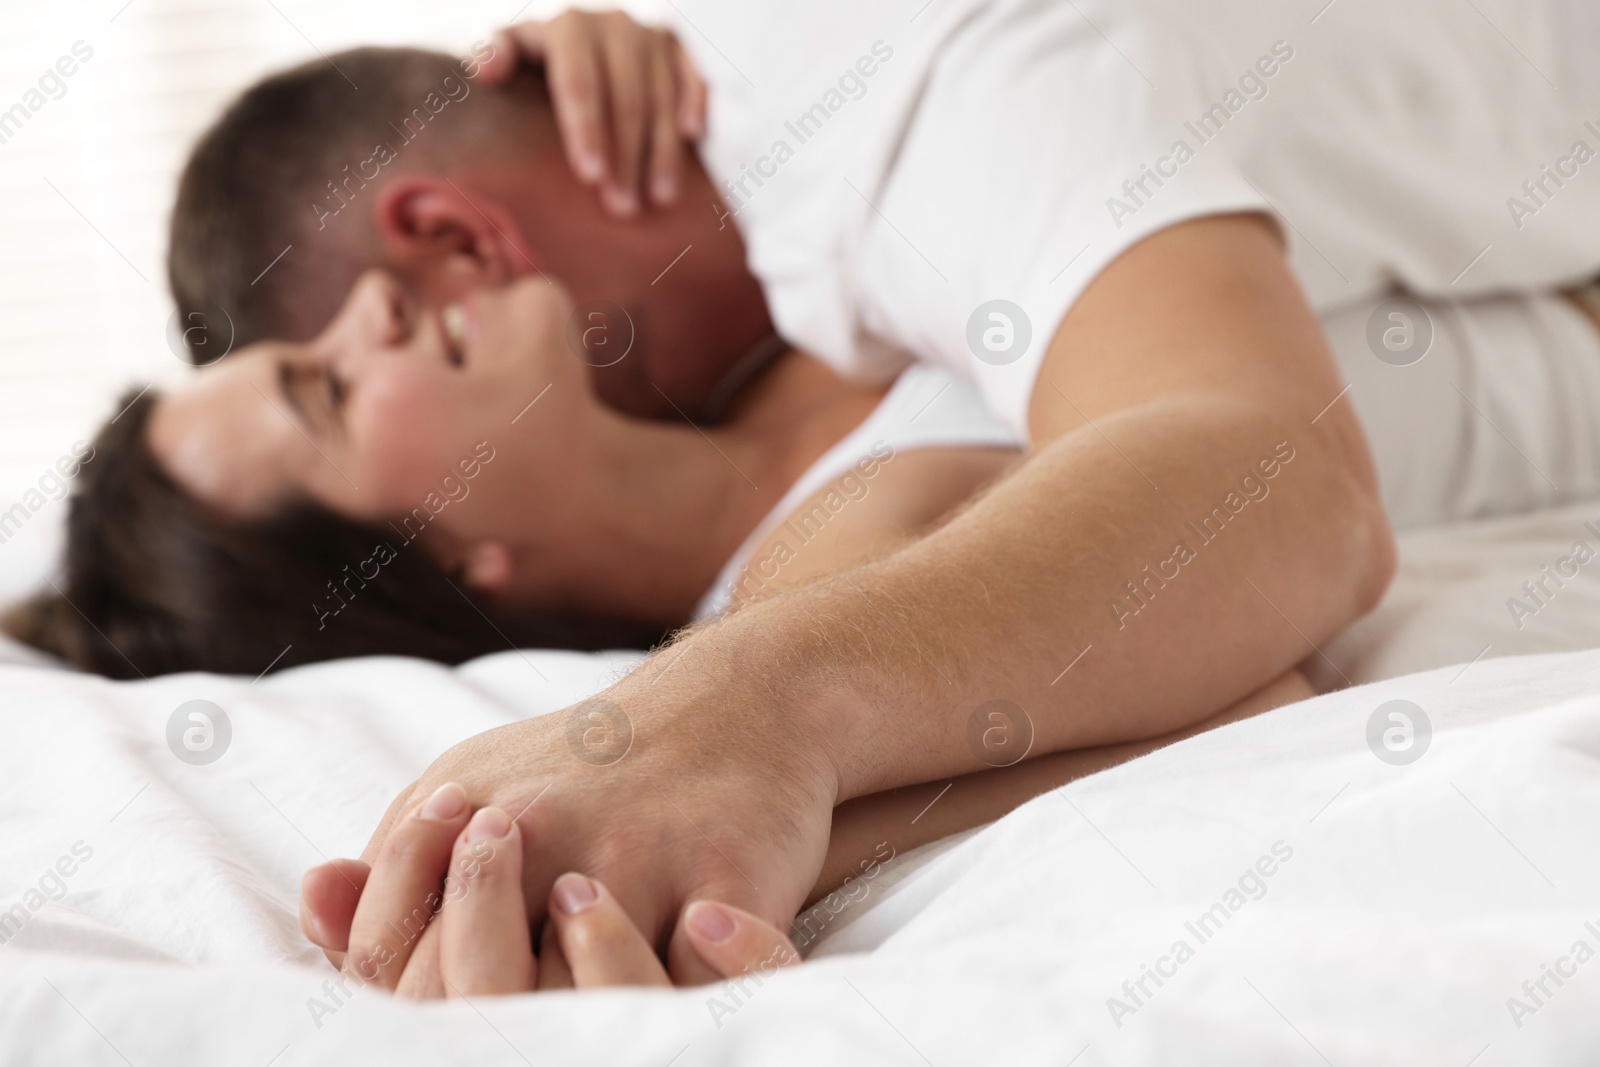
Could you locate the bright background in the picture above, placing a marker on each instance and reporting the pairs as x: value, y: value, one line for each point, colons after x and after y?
x: 86, y: 188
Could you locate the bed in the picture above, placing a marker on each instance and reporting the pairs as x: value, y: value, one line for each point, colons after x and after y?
x: 1336, y: 902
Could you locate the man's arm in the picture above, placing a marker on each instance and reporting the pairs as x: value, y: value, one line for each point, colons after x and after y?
x: 1190, y: 363
x: 1191, y: 360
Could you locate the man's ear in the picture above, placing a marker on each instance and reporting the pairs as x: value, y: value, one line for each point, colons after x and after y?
x: 444, y: 235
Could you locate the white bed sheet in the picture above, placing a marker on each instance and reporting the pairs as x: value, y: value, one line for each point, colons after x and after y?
x: 1451, y: 600
x: 1417, y: 900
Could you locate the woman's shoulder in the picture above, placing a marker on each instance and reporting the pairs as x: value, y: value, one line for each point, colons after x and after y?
x: 928, y: 446
x: 927, y: 407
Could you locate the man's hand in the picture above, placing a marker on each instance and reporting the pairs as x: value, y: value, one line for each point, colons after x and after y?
x: 654, y: 788
x: 627, y: 99
x: 485, y: 940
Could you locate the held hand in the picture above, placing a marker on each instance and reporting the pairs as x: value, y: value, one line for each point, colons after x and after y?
x: 478, y: 943
x: 627, y: 99
x: 678, y: 798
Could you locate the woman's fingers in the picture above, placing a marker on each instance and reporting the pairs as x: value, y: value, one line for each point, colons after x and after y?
x: 478, y: 945
x: 328, y: 898
x: 575, y: 75
x: 601, y: 944
x: 666, y: 146
x: 625, y: 97
x: 714, y: 941
x: 484, y: 948
x: 406, y: 877
x: 625, y: 51
x: 691, y: 93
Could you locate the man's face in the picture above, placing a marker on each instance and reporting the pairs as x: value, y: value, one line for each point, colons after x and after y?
x: 663, y: 304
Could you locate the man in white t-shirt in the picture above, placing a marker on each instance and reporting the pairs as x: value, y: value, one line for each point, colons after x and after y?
x: 893, y: 171
x: 1119, y: 220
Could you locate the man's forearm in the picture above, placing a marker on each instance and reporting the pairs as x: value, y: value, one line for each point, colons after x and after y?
x: 1200, y: 513
x: 1065, y: 593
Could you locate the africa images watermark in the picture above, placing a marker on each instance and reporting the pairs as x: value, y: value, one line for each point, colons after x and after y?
x: 1210, y: 527
x: 737, y: 990
x: 364, y: 967
x: 735, y: 993
x: 851, y: 85
x: 1537, y: 592
x: 809, y: 524
x: 51, y: 85
x: 452, y: 90
x: 51, y: 885
x: 1251, y: 885
x: 809, y: 924
x: 454, y: 490
x: 1536, y: 992
x: 1205, y: 128
x: 199, y: 732
x: 1543, y: 187
x: 1399, y: 732
x: 54, y: 484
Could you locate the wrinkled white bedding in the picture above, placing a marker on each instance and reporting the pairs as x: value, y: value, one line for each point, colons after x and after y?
x: 1405, y: 904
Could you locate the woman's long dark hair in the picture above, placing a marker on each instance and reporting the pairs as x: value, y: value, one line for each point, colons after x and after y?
x: 156, y: 581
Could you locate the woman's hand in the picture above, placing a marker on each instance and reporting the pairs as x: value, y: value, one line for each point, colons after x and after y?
x: 478, y: 942
x: 627, y: 100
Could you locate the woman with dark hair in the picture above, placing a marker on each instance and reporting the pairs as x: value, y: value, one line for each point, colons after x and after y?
x: 445, y: 485
x: 157, y: 581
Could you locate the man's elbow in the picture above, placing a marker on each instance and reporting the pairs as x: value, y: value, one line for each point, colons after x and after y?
x: 1370, y: 557
x: 1347, y: 548
x: 1378, y: 557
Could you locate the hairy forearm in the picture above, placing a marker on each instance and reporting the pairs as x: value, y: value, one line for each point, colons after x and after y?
x: 884, y: 666
x: 890, y: 823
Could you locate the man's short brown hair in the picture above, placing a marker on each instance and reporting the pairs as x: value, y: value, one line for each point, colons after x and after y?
x: 279, y: 165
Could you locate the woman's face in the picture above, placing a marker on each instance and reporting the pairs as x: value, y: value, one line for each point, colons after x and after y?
x: 369, y: 418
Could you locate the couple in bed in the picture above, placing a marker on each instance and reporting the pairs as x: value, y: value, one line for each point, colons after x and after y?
x: 1149, y: 452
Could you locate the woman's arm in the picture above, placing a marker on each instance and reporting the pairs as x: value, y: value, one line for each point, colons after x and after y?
x: 906, y: 818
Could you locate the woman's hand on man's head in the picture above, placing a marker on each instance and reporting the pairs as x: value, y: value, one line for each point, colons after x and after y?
x: 627, y: 99
x: 477, y: 943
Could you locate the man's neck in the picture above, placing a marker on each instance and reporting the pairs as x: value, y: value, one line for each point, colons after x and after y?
x: 679, y: 273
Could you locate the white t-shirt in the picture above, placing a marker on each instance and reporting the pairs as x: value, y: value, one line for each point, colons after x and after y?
x: 925, y: 408
x: 1475, y: 408
x: 897, y: 165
